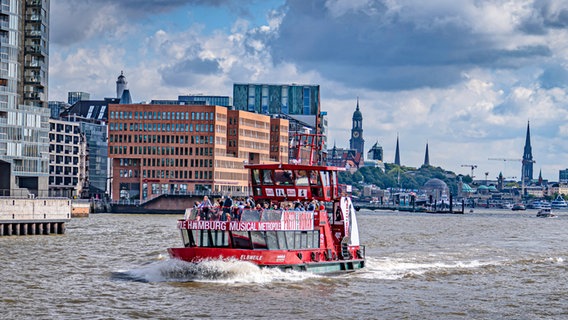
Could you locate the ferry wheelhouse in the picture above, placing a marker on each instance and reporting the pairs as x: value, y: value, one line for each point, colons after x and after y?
x: 290, y: 227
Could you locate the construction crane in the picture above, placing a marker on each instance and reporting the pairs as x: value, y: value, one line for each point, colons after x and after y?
x: 505, y: 160
x: 472, y: 166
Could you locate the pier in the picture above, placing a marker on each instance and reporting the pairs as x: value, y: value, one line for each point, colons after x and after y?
x: 31, y: 216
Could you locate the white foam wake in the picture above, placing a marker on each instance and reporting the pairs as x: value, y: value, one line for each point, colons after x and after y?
x: 397, y: 268
x: 218, y: 271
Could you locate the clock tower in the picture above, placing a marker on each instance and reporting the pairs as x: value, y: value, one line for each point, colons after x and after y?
x: 356, y: 142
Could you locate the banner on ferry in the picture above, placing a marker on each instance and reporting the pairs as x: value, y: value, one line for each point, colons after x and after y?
x: 290, y: 220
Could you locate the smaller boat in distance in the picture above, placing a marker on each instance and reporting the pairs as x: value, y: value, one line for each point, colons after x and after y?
x: 545, y: 213
x: 518, y: 206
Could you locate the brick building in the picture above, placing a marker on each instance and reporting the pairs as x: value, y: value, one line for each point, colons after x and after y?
x: 179, y: 149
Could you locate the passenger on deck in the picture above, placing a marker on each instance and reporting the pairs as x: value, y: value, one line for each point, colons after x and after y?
x: 204, y: 207
x: 227, y: 206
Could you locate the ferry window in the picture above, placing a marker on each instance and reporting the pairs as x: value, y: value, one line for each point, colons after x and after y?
x: 258, y: 192
x: 185, y: 237
x: 298, y: 243
x: 201, y: 238
x: 271, y: 240
x: 314, y: 178
x: 283, y: 177
x: 241, y: 239
x: 255, y: 177
x: 290, y: 239
x: 220, y: 238
x: 267, y: 177
x: 310, y: 239
x: 325, y: 178
x: 281, y: 235
x: 302, y: 178
x: 258, y: 239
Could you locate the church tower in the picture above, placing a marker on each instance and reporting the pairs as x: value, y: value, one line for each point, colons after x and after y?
x: 527, y: 170
x: 356, y: 142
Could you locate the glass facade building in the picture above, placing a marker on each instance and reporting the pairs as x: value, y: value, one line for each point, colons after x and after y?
x: 224, y: 101
x: 75, y: 96
x: 24, y: 112
x: 277, y: 99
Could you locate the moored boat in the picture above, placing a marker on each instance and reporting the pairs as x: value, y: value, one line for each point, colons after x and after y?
x: 559, y: 203
x: 518, y: 206
x: 289, y: 227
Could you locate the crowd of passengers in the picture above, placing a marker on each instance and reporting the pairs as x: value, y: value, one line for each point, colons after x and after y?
x: 227, y: 209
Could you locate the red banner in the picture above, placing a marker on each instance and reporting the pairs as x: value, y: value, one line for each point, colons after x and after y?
x: 290, y: 220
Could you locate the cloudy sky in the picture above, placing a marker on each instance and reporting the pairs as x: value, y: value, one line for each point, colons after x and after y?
x: 464, y: 76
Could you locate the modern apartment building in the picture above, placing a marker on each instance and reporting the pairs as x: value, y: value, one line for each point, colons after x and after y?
x: 24, y: 112
x: 179, y: 149
x: 67, y: 158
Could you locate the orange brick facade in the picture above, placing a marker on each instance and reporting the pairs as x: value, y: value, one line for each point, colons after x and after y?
x: 178, y: 149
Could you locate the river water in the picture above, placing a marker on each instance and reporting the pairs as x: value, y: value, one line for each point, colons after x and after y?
x: 481, y: 265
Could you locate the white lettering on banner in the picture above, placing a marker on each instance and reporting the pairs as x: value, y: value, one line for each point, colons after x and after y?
x: 291, y: 192
x: 250, y: 257
x: 269, y: 192
x: 290, y: 220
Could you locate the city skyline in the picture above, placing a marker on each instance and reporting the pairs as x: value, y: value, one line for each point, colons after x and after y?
x: 464, y: 77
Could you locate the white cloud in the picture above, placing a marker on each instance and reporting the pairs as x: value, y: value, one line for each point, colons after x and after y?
x: 466, y: 76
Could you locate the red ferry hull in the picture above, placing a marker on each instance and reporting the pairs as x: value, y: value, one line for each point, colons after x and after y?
x: 301, y: 260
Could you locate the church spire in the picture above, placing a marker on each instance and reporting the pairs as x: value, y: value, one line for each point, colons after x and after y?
x: 527, y: 164
x: 397, y: 153
x: 426, y: 156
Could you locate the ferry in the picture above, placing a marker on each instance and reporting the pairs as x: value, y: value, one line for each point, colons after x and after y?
x: 300, y: 220
x: 559, y: 203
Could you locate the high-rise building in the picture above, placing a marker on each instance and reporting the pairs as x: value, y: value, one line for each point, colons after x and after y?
x: 24, y: 112
x: 75, y: 96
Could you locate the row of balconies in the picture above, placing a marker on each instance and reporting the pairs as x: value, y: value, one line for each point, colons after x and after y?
x: 36, y: 49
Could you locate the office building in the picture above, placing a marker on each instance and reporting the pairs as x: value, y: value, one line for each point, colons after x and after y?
x: 24, y: 112
x: 181, y: 149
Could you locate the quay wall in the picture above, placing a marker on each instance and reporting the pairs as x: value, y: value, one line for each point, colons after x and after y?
x: 34, y: 216
x: 80, y: 208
